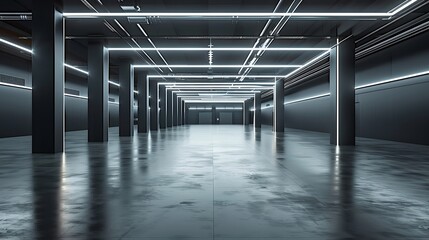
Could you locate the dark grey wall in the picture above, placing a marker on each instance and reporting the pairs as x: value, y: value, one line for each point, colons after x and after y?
x: 192, y: 116
x: 393, y: 111
x: 15, y: 112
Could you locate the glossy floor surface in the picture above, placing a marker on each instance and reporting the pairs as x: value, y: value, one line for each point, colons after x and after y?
x: 214, y: 182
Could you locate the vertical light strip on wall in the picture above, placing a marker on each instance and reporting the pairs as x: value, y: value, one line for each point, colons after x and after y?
x: 337, y: 53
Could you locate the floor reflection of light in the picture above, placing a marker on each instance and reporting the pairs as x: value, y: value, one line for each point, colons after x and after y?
x: 62, y: 193
x: 337, y: 169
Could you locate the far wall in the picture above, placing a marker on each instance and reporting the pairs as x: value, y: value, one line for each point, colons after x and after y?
x: 226, y: 113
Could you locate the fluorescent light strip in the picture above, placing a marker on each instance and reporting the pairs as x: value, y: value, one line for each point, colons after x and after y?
x: 217, y: 83
x: 30, y: 88
x: 212, y: 76
x: 15, y: 85
x: 216, y: 66
x: 224, y: 91
x: 216, y: 49
x: 16, y: 46
x: 234, y: 15
x: 308, y: 63
x: 229, y: 108
x: 307, y: 98
x: 75, y: 96
x: 205, y: 101
x: 114, y: 84
x: 393, y: 80
x: 153, y: 45
x: 219, y: 87
x: 391, y: 13
x: 30, y: 51
x: 76, y: 69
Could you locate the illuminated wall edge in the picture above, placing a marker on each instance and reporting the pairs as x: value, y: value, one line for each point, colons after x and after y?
x: 357, y: 88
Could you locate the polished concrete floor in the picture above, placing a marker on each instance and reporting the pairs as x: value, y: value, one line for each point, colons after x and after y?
x: 214, y: 182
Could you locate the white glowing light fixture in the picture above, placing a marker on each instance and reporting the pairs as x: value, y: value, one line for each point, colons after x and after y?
x: 231, y: 15
x: 216, y: 66
x: 210, y: 101
x: 213, y: 76
x: 76, y: 69
x: 419, y: 74
x: 75, y: 96
x: 114, y: 84
x: 15, y: 45
x: 236, y: 15
x: 15, y: 85
x: 232, y: 49
x: 217, y: 83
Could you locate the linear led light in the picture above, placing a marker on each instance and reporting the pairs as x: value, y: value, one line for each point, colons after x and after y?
x: 307, y: 63
x: 114, y: 84
x: 213, y: 76
x: 31, y: 51
x: 223, y: 94
x: 216, y: 49
x: 360, y: 87
x: 231, y: 15
x: 15, y: 85
x: 217, y: 83
x: 190, y: 87
x: 229, y: 108
x: 307, y: 98
x: 214, y: 101
x: 16, y: 46
x: 30, y: 88
x: 419, y: 74
x: 181, y: 93
x: 237, y: 15
x: 75, y: 96
x: 76, y: 69
x: 216, y: 66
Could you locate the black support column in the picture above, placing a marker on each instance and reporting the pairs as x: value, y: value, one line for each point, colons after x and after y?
x: 142, y: 99
x: 257, y: 112
x: 162, y: 107
x: 126, y: 99
x: 175, y: 109
x: 179, y: 112
x: 278, y: 107
x: 214, y: 117
x: 246, y: 112
x: 98, y: 92
x: 342, y: 87
x: 48, y: 77
x: 183, y: 111
x: 169, y: 108
x: 153, y: 102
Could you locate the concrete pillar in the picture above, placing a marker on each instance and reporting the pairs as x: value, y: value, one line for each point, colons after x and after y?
x: 257, y: 112
x: 175, y: 110
x: 169, y: 108
x: 48, y: 77
x: 214, y: 115
x: 179, y: 111
x: 153, y: 104
x: 98, y: 92
x: 126, y: 99
x: 142, y: 99
x: 246, y: 112
x: 342, y: 88
x: 162, y: 107
x: 183, y: 110
x: 278, y: 107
